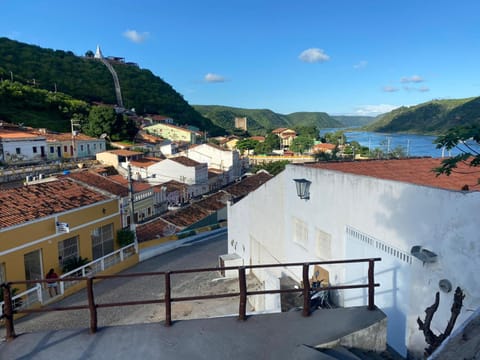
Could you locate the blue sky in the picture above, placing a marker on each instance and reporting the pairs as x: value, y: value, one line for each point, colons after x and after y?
x: 341, y: 57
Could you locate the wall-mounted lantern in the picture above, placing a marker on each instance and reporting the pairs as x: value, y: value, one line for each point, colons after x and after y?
x: 424, y: 255
x: 303, y: 188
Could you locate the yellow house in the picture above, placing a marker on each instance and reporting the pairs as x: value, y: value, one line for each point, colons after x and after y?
x: 172, y: 132
x: 42, y: 226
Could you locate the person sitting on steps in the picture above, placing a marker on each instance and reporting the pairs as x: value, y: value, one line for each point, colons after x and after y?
x: 52, y: 283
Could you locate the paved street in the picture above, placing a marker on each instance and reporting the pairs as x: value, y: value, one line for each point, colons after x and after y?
x: 196, y: 255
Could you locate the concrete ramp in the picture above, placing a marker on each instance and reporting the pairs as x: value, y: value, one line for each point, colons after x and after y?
x: 268, y: 336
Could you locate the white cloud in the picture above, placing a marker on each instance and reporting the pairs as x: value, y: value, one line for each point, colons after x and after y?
x: 361, y: 65
x: 135, y: 36
x: 214, y: 78
x: 390, y: 89
x: 374, y: 110
x: 423, y: 89
x: 411, y: 79
x: 313, y: 55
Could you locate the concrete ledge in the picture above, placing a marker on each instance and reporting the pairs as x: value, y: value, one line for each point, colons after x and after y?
x: 149, y: 252
x: 270, y: 336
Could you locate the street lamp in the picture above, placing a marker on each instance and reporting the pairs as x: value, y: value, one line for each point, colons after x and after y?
x: 303, y: 187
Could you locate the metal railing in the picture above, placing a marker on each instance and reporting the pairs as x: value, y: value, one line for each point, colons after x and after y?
x: 242, y: 294
x: 35, y: 295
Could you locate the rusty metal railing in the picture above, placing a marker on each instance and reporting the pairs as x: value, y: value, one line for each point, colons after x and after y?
x: 243, y: 293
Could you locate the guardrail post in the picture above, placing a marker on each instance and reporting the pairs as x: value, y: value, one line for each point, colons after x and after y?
x: 371, y: 285
x: 91, y: 306
x: 306, y: 291
x: 8, y: 312
x: 168, y: 300
x: 242, y: 283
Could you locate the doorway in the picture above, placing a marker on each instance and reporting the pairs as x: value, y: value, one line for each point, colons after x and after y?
x: 33, y: 266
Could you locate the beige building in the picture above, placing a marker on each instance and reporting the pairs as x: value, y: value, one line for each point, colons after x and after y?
x: 172, y: 132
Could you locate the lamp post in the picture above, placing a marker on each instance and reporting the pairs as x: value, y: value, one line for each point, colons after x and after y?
x: 133, y: 227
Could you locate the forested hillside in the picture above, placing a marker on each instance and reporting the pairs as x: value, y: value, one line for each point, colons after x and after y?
x: 354, y: 121
x: 433, y: 117
x: 261, y: 121
x: 89, y: 80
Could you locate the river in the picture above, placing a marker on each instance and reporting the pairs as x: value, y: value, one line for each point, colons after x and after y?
x: 412, y: 145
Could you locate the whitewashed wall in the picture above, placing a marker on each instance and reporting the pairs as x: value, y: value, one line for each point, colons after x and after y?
x: 398, y: 215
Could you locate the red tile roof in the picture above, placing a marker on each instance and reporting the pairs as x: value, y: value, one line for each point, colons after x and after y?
x: 214, y: 202
x: 324, y: 146
x: 122, y: 152
x: 247, y: 185
x: 155, y: 229
x: 186, y: 216
x: 14, y: 134
x: 100, y: 182
x: 144, y: 162
x: 185, y: 161
x: 416, y: 171
x: 22, y: 204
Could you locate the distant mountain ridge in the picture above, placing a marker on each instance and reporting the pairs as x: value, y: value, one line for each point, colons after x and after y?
x: 260, y: 121
x: 433, y: 117
x: 87, y: 79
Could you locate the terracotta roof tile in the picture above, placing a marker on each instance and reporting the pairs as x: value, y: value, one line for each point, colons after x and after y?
x: 186, y: 216
x: 214, y: 202
x: 185, y: 161
x: 22, y: 204
x: 155, y: 229
x: 122, y: 152
x: 100, y: 182
x: 248, y: 184
x: 416, y: 171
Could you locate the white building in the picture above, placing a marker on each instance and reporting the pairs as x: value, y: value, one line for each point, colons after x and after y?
x: 78, y: 146
x: 21, y: 147
x: 371, y: 209
x: 180, y: 168
x: 217, y: 158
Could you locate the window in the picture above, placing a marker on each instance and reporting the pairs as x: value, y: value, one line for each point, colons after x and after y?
x: 52, y: 149
x: 17, y: 151
x: 81, y: 147
x: 324, y: 245
x: 65, y: 148
x: 300, y: 232
x: 3, y: 276
x: 102, y: 241
x: 67, y: 250
x: 34, y: 149
x: 95, y: 146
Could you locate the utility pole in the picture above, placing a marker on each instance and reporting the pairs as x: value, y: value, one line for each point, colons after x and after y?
x: 74, y: 123
x: 133, y: 227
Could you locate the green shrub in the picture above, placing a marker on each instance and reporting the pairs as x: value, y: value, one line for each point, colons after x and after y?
x: 125, y: 237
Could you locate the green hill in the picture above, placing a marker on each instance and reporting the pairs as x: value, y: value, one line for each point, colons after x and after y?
x: 353, y: 121
x: 87, y: 79
x: 433, y: 117
x: 261, y: 121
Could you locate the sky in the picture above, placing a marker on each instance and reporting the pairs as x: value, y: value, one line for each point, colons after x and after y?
x: 351, y: 57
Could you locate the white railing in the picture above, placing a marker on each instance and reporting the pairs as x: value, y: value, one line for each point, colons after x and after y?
x: 36, y: 294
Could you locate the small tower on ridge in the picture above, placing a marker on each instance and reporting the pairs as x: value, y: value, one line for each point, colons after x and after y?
x: 98, y: 53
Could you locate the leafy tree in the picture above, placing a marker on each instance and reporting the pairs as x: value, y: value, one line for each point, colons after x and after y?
x: 272, y: 142
x: 327, y: 156
x: 274, y: 167
x: 301, y: 144
x: 101, y: 120
x: 89, y: 54
x: 246, y: 144
x: 337, y: 137
x: 308, y: 131
x: 452, y: 139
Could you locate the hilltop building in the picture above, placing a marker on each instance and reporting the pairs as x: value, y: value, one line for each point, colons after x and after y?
x: 241, y: 123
